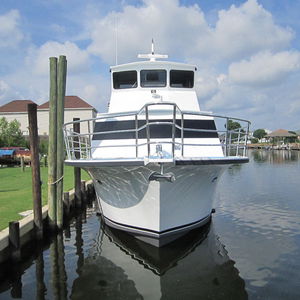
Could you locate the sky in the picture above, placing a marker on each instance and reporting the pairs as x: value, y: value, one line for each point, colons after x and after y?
x: 247, y: 52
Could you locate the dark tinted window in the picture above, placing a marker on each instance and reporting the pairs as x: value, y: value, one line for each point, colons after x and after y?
x: 125, y: 80
x: 181, y: 79
x: 153, y: 78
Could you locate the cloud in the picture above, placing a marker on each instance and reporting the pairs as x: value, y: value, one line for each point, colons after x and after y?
x: 182, y: 31
x: 78, y: 59
x: 136, y: 26
x: 10, y: 33
x: 7, y: 92
x: 265, y: 68
x: 244, y: 30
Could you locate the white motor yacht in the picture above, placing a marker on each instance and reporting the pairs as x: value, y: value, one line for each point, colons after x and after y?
x: 155, y: 158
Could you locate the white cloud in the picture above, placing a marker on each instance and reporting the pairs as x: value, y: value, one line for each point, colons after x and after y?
x: 265, y: 68
x: 7, y: 92
x: 10, y: 33
x: 247, y: 29
x: 173, y: 28
x: 184, y: 32
x: 78, y: 60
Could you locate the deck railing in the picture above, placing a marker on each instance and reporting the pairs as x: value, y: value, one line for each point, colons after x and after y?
x: 232, y: 133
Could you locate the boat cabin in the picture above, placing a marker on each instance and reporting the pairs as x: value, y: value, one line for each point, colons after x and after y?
x: 137, y: 83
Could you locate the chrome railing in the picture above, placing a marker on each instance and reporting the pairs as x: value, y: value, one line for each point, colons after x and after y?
x: 232, y: 134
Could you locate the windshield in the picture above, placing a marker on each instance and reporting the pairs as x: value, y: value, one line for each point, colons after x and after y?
x: 181, y: 79
x: 125, y: 80
x: 153, y: 78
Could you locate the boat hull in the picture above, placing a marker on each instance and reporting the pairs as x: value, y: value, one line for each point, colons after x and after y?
x: 156, y: 212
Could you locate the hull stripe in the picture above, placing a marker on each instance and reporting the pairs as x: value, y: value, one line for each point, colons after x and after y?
x: 156, y: 131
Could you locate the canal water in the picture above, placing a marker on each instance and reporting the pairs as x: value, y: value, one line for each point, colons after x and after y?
x: 251, y: 249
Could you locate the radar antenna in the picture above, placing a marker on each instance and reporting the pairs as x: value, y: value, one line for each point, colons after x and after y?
x: 151, y: 55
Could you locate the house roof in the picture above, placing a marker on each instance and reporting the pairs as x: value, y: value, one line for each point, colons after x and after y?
x: 15, y: 106
x: 281, y: 133
x: 70, y: 102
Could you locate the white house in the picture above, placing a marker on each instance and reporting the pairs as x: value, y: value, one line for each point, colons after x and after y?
x: 16, y: 110
x: 75, y: 107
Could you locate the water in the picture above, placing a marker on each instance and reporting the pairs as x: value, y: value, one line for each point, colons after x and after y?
x: 251, y: 250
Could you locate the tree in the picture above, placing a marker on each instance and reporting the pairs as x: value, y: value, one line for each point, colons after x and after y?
x: 259, y: 133
x: 10, y: 133
x: 232, y: 125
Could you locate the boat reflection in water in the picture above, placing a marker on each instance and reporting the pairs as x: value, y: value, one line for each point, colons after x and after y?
x: 122, y: 267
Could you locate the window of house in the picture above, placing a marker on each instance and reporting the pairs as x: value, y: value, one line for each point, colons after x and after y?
x: 153, y: 78
x: 125, y: 80
x: 181, y: 79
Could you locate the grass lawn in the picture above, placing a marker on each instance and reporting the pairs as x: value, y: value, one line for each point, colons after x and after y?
x: 16, y: 191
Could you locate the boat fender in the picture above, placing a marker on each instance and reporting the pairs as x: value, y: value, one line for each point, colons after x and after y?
x: 155, y: 176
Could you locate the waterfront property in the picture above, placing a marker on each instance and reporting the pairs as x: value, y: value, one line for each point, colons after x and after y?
x: 75, y: 107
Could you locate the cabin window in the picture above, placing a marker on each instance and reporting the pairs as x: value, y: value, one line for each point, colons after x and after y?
x: 153, y: 78
x: 125, y: 80
x: 181, y: 79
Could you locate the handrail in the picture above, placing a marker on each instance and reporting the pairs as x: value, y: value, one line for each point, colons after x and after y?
x: 228, y: 139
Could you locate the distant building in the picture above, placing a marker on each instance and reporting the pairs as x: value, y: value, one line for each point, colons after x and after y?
x: 16, y: 110
x: 75, y: 107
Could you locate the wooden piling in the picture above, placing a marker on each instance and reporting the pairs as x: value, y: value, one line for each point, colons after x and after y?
x: 35, y: 169
x: 14, y: 240
x: 83, y: 191
x: 67, y: 203
x: 61, y: 91
x: 22, y: 164
x: 77, y: 171
x: 52, y: 170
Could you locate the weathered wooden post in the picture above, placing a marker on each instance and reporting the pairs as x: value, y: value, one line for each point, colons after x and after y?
x: 83, y: 191
x: 22, y: 164
x: 35, y: 169
x: 67, y: 203
x: 61, y: 91
x: 14, y: 240
x: 77, y: 171
x: 52, y: 170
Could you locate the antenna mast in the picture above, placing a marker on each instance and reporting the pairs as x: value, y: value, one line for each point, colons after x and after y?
x: 151, y: 55
x: 116, y: 40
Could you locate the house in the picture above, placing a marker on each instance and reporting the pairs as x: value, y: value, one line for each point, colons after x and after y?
x: 75, y: 107
x: 16, y: 110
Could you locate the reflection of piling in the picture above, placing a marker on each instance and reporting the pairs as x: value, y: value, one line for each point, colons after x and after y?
x: 59, y: 275
x: 35, y: 168
x: 63, y: 292
x: 16, y: 284
x: 77, y: 172
x: 54, y: 267
x: 79, y: 243
x: 39, y: 273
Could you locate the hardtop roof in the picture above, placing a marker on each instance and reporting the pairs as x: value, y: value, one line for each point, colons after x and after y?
x: 153, y: 65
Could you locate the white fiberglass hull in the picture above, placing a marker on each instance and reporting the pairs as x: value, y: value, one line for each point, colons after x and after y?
x: 156, y: 211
